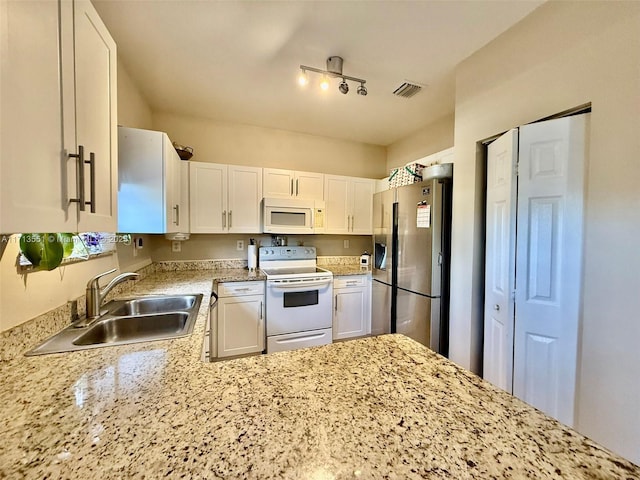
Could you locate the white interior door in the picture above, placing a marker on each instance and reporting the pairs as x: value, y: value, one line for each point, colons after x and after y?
x: 552, y: 158
x: 502, y: 157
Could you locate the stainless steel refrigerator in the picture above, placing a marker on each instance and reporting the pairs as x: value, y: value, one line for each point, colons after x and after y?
x: 411, y: 259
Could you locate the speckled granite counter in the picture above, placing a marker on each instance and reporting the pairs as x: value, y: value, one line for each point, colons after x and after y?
x: 236, y: 275
x: 353, y: 269
x: 381, y: 407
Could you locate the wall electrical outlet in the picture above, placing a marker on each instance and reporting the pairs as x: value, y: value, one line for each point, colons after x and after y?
x: 346, y: 244
x: 240, y: 245
x: 176, y: 246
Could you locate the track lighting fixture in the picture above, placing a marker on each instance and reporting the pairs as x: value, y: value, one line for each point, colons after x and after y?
x: 334, y: 70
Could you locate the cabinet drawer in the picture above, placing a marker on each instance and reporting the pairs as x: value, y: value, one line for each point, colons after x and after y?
x: 350, y: 281
x: 233, y: 289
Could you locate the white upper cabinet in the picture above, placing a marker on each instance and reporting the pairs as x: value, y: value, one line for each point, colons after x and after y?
x: 245, y: 195
x: 349, y: 205
x: 58, y: 91
x: 224, y: 198
x: 278, y: 183
x: 207, y: 197
x: 150, y: 197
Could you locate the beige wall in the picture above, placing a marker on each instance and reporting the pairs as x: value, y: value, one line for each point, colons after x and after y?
x: 221, y: 142
x: 133, y: 109
x: 433, y: 138
x: 563, y: 55
x: 204, y: 247
x: 23, y: 297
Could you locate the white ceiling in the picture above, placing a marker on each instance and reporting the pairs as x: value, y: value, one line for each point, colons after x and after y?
x: 237, y: 61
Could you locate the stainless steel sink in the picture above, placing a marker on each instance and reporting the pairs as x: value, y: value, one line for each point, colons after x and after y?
x: 140, y: 319
x: 127, y: 329
x: 145, y: 305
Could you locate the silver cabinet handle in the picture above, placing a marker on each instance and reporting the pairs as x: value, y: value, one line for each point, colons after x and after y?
x: 224, y: 219
x: 496, y: 307
x: 292, y: 187
x: 92, y: 181
x: 80, y: 168
x: 336, y: 305
x: 230, y: 218
x: 297, y: 187
x: 260, y: 310
x: 176, y: 208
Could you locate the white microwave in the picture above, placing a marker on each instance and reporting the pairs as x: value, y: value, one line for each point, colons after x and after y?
x: 291, y: 216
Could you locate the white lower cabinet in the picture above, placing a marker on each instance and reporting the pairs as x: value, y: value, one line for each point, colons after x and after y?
x: 352, y: 306
x: 239, y: 319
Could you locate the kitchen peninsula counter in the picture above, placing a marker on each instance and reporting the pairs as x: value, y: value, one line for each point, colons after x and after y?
x: 380, y: 407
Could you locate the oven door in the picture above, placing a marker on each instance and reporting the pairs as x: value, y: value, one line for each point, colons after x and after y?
x: 298, y: 305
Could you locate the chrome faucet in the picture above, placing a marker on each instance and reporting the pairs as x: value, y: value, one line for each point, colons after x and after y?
x: 95, y: 296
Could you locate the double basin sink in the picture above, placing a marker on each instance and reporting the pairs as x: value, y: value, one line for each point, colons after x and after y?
x: 140, y: 319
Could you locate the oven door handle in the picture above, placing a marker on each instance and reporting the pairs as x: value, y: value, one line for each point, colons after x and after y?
x: 300, y: 286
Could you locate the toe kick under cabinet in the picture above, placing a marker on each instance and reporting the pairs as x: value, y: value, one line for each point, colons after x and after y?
x: 351, y: 306
x: 237, y: 322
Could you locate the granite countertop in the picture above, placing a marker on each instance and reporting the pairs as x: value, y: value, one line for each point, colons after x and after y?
x: 379, y: 407
x: 237, y: 275
x: 349, y: 269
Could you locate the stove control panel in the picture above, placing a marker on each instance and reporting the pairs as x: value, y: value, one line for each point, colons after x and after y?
x: 287, y: 253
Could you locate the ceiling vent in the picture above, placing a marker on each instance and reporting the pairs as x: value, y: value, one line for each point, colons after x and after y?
x: 407, y: 89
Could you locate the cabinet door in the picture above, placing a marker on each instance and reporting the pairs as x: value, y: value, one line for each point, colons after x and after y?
x: 278, y: 183
x: 33, y: 194
x: 336, y: 212
x: 361, y: 206
x: 208, y: 197
x: 183, y: 206
x: 309, y: 185
x: 349, y: 315
x: 143, y: 206
x: 240, y: 325
x: 173, y: 202
x: 245, y: 195
x: 96, y: 116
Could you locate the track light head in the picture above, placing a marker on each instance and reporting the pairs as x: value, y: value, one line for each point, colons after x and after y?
x: 362, y: 90
x: 343, y: 87
x: 302, y: 78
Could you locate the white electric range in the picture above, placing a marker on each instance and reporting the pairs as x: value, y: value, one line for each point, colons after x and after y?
x: 299, y: 298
